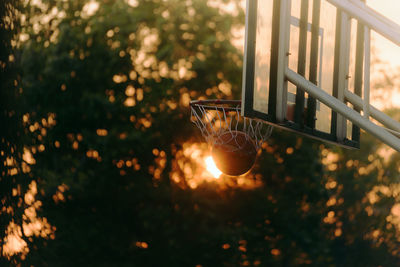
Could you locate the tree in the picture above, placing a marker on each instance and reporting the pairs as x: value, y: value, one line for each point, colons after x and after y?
x: 106, y: 88
x: 14, y: 179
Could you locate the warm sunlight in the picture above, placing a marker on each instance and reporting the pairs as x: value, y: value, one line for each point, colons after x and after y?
x: 193, y: 166
x: 212, y: 168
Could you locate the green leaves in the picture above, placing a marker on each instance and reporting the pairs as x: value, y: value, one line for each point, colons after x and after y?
x: 108, y: 123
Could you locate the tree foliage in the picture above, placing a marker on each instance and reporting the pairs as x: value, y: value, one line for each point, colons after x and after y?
x: 105, y: 93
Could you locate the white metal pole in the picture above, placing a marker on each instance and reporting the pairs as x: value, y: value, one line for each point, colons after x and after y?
x: 367, y: 54
x: 375, y: 113
x: 371, y: 18
x: 244, y: 78
x: 343, y: 109
x: 281, y: 90
x: 343, y: 71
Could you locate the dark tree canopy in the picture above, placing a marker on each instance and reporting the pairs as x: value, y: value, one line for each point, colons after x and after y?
x: 107, y: 161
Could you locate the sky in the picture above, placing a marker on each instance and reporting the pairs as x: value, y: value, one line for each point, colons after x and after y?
x: 390, y: 9
x: 386, y: 50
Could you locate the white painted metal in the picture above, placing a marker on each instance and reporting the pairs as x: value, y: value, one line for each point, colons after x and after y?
x: 393, y: 132
x: 367, y: 58
x: 244, y: 78
x: 343, y: 109
x: 344, y: 57
x: 374, y: 112
x: 371, y: 18
x: 281, y: 94
x: 372, y: 21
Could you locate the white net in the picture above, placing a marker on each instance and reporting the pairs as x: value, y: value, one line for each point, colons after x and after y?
x: 217, y: 118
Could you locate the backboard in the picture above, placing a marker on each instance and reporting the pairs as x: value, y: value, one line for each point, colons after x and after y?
x: 306, y: 68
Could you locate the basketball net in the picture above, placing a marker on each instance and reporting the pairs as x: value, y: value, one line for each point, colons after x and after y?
x: 215, y: 118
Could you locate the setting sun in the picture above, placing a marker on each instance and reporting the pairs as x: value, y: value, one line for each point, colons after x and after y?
x: 212, y: 168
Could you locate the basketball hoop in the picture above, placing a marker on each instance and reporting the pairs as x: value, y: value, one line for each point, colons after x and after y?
x: 235, y: 139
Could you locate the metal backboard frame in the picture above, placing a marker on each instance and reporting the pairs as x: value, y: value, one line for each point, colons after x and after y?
x: 276, y: 80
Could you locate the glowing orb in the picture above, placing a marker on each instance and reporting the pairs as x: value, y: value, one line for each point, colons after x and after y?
x: 212, y: 168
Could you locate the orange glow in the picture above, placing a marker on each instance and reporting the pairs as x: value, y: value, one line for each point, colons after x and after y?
x: 101, y: 132
x: 275, y: 252
x: 32, y: 224
x: 140, y: 244
x: 338, y: 232
x: 212, y: 168
x: 194, y: 166
x: 226, y: 246
x: 13, y: 243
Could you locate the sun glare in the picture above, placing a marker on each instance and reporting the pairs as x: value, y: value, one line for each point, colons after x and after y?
x: 212, y: 168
